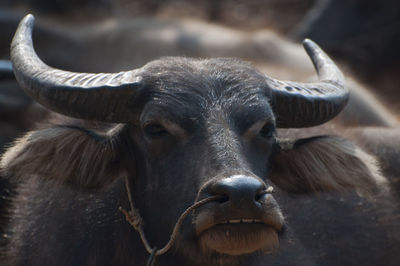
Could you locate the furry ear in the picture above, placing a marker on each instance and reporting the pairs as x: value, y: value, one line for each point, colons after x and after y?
x: 67, y: 155
x: 325, y: 163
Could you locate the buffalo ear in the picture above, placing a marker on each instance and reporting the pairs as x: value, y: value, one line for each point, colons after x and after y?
x: 325, y: 163
x: 66, y: 154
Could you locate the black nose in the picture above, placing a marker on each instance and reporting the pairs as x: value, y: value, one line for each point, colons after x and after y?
x: 240, y: 190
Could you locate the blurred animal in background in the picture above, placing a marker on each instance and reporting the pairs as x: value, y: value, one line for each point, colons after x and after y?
x: 366, y: 37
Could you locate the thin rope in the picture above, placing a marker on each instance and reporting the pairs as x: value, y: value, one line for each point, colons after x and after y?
x: 151, y: 260
x: 133, y: 217
x: 128, y: 190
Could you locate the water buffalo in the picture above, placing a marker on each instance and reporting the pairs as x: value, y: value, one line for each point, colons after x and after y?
x: 178, y: 131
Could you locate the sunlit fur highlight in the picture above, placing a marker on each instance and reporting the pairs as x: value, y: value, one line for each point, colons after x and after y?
x: 325, y: 163
x: 66, y: 155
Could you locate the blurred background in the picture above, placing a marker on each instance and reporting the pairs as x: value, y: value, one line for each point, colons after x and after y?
x: 363, y: 36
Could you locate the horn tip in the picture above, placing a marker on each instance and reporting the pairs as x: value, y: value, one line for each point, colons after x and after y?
x: 310, y: 46
x: 24, y: 28
x: 28, y: 19
x: 307, y: 42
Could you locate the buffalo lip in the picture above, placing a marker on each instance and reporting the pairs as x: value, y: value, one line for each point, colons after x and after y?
x: 240, y: 236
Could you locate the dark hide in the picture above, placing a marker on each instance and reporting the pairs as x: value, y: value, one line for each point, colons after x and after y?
x: 316, y: 234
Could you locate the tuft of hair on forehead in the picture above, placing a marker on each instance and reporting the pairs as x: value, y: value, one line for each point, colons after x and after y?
x: 198, y: 73
x: 211, y: 66
x: 326, y: 163
x: 189, y: 83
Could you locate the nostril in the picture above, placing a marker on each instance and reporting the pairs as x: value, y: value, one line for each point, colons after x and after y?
x: 220, y: 191
x: 239, y: 189
x: 259, y: 195
x: 222, y: 199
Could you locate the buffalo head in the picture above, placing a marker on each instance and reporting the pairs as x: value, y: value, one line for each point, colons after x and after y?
x: 186, y: 129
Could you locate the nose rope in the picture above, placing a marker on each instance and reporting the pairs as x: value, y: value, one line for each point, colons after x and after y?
x: 269, y: 190
x: 136, y: 221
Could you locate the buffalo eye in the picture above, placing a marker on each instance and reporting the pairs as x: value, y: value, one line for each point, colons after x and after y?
x: 267, y: 131
x: 155, y: 131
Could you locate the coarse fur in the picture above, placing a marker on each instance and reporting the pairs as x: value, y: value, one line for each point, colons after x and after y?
x: 325, y: 163
x: 97, y: 205
x: 79, y: 157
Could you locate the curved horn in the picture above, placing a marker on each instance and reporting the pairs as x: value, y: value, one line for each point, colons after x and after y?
x: 102, y: 97
x: 309, y: 104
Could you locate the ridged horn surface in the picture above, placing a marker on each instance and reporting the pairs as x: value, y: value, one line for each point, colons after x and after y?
x: 299, y: 104
x: 102, y: 96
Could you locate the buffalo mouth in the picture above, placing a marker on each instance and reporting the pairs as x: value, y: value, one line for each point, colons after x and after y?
x: 239, y: 236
